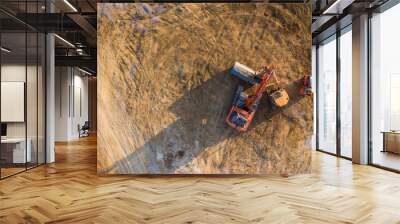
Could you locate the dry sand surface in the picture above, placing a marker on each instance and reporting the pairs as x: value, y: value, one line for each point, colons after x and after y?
x: 164, y: 88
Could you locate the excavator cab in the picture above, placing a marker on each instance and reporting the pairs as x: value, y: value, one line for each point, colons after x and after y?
x: 238, y: 119
x: 240, y: 116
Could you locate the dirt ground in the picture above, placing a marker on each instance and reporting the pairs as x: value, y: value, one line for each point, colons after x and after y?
x: 165, y: 91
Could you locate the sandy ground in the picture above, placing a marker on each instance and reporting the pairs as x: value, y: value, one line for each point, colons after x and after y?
x: 164, y: 88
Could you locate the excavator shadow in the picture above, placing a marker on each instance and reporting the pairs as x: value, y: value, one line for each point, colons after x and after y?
x: 201, y: 113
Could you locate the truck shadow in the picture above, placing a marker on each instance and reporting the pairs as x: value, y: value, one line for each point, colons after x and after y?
x: 201, y: 124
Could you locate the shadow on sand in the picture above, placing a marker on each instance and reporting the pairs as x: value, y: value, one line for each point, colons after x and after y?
x: 201, y: 124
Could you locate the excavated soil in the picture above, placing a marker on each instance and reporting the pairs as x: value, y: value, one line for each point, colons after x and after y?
x: 165, y: 90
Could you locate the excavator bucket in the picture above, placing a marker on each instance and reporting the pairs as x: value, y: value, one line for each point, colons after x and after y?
x: 279, y: 98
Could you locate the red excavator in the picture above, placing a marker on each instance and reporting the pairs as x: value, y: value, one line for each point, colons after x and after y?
x: 245, y: 103
x: 306, y: 89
